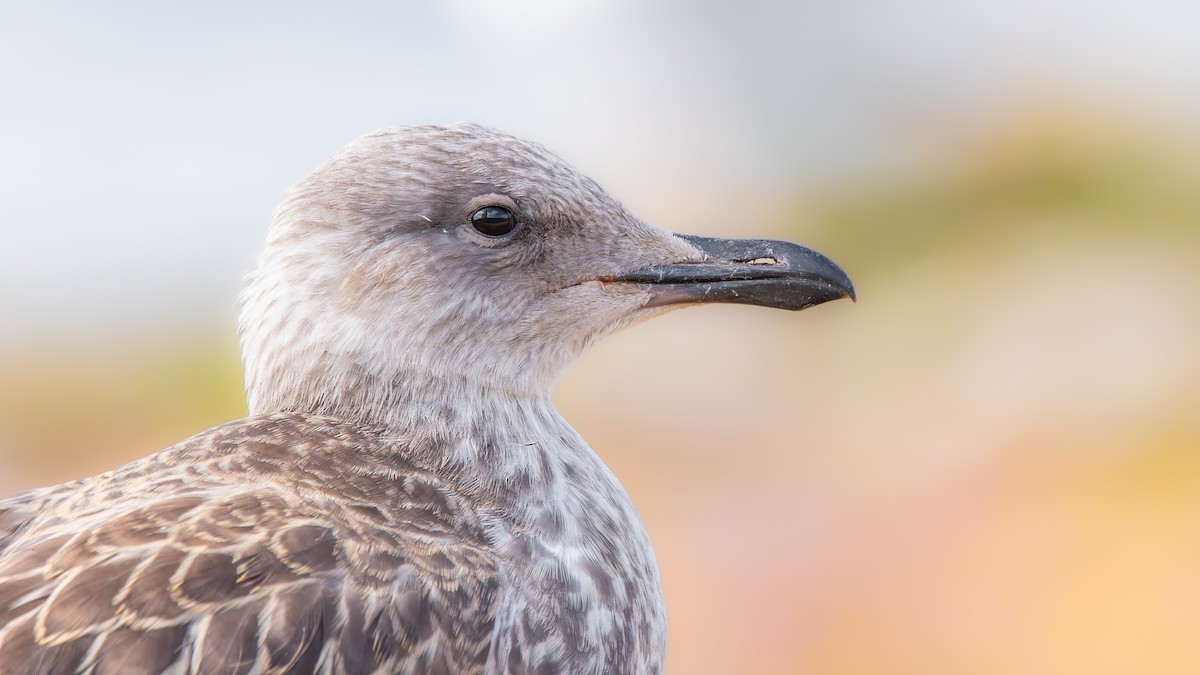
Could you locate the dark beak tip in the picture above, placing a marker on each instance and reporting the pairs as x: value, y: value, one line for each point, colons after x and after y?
x: 778, y: 274
x: 833, y: 276
x: 848, y: 289
x: 833, y: 291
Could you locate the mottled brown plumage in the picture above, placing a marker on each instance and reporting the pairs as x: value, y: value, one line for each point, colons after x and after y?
x: 322, y: 548
x: 404, y: 497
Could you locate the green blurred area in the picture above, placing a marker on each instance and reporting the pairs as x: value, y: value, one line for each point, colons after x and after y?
x: 1072, y: 175
x: 990, y: 464
x: 72, y: 409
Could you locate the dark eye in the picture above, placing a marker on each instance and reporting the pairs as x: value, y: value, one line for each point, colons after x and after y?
x: 494, y: 221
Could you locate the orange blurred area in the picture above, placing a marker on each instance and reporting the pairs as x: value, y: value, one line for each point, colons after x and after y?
x: 989, y: 464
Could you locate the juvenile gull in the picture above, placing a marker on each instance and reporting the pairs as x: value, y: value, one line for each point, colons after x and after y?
x: 403, y: 497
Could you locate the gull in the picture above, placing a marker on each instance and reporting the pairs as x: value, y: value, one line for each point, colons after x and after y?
x: 403, y: 497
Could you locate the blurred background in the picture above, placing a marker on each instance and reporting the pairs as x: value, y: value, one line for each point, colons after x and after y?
x: 989, y: 464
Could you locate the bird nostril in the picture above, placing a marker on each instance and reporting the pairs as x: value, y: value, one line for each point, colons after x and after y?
x: 761, y: 261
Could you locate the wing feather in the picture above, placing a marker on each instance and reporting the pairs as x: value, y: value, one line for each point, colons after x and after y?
x: 83, y: 602
x: 127, y: 651
x: 295, y: 627
x: 24, y: 654
x: 228, y: 640
x: 242, y: 554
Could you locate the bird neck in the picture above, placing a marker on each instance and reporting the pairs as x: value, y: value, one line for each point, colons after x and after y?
x: 532, y: 479
x: 508, y: 448
x: 411, y: 402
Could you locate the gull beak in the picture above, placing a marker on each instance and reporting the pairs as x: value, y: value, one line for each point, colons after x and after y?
x: 762, y: 272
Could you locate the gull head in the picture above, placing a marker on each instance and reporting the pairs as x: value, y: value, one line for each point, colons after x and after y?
x: 464, y: 256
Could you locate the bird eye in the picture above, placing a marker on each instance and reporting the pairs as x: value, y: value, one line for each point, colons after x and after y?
x: 494, y: 221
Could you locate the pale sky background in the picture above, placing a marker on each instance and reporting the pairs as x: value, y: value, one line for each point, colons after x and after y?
x: 143, y: 145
